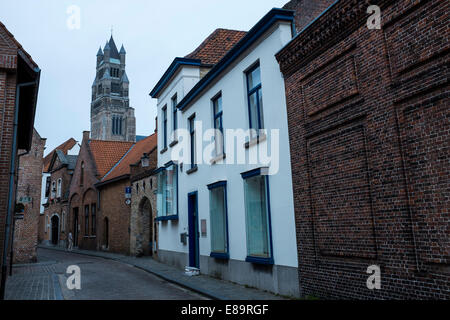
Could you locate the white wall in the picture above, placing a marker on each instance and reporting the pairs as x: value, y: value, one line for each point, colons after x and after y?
x: 232, y: 84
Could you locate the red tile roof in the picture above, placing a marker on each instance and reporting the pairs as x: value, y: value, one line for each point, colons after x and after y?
x: 133, y: 156
x: 107, y: 153
x: 64, y: 147
x: 216, y: 45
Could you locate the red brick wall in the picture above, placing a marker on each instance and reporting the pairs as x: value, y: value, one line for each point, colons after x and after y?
x: 58, y: 206
x: 113, y: 207
x: 306, y: 10
x: 81, y: 195
x: 8, y: 65
x: 369, y: 136
x: 29, y: 185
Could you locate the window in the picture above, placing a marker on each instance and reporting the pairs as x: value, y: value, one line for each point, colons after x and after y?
x: 114, y: 72
x: 192, y: 139
x: 174, y: 113
x: 53, y: 192
x: 86, y: 220
x: 218, y: 124
x: 82, y: 174
x: 164, y: 111
x: 93, y: 219
x: 63, y: 221
x: 117, y: 125
x: 47, y: 187
x: 218, y: 220
x: 257, y: 217
x: 254, y: 95
x: 167, y: 193
x: 58, y: 188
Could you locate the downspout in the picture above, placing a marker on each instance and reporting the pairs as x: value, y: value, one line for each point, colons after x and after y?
x: 11, y: 254
x: 10, y: 205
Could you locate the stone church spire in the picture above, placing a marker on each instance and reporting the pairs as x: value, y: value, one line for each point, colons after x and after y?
x: 112, y: 118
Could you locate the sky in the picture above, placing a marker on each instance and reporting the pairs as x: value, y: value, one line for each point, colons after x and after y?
x: 152, y: 32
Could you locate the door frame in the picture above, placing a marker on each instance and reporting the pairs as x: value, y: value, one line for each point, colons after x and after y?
x: 194, y: 250
x: 57, y: 229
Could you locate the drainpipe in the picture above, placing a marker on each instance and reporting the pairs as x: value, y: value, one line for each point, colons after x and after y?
x: 10, y: 207
x: 11, y: 254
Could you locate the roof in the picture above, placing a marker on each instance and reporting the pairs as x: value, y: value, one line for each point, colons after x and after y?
x: 107, y: 153
x: 208, y: 53
x: 33, y: 64
x: 69, y: 160
x: 253, y: 35
x: 133, y: 156
x: 111, y: 45
x: 216, y: 45
x: 64, y: 147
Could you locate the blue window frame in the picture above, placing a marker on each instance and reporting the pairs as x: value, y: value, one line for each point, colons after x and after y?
x: 218, y: 220
x: 254, y: 96
x: 218, y: 123
x: 257, y: 217
x: 164, y: 111
x: 167, y: 192
x: 174, y: 114
x: 191, y: 121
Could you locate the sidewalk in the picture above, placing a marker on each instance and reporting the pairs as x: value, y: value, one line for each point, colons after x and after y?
x: 205, y: 285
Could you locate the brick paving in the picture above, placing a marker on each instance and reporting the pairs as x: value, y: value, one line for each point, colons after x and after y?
x: 205, y: 285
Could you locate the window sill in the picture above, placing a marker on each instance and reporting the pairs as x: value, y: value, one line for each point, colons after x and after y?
x: 166, y: 218
x: 173, y: 143
x: 218, y: 158
x: 217, y: 255
x: 259, y: 260
x: 163, y: 150
x: 192, y: 170
x: 256, y: 140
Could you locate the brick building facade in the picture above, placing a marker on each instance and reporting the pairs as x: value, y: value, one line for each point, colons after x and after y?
x: 143, y: 227
x: 121, y: 230
x: 369, y: 133
x: 54, y: 227
x: 95, y: 160
x: 29, y: 195
x: 19, y: 83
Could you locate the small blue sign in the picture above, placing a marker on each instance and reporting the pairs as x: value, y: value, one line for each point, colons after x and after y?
x: 127, y: 189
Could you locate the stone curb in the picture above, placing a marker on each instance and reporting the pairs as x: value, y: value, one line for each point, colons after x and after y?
x: 158, y: 274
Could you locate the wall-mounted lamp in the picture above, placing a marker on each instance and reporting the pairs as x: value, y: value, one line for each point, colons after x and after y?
x: 145, y: 160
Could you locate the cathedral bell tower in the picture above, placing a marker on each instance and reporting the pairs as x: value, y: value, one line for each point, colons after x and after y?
x: 112, y: 118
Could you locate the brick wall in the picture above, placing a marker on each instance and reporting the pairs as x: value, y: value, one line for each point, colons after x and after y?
x: 82, y: 194
x: 8, y: 65
x: 57, y: 206
x: 29, y: 186
x: 113, y: 208
x: 306, y: 10
x: 369, y: 136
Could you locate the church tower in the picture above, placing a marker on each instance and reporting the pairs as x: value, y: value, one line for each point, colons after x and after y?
x: 112, y: 118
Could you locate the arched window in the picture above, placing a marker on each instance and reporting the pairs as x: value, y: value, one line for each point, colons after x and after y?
x: 82, y: 174
x: 58, y: 188
x: 63, y: 221
x: 53, y: 191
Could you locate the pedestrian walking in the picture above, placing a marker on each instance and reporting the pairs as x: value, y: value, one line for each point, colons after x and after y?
x: 70, y: 239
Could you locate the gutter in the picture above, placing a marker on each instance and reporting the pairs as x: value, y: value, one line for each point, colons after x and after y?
x: 10, y: 205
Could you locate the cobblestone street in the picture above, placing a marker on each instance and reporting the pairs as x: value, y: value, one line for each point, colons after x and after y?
x: 101, y: 279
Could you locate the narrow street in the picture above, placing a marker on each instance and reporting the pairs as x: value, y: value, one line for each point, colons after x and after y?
x: 101, y: 279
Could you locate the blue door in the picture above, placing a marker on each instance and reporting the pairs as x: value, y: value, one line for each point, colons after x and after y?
x: 193, y: 230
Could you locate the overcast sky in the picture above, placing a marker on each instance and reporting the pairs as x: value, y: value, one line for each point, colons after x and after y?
x: 152, y: 32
